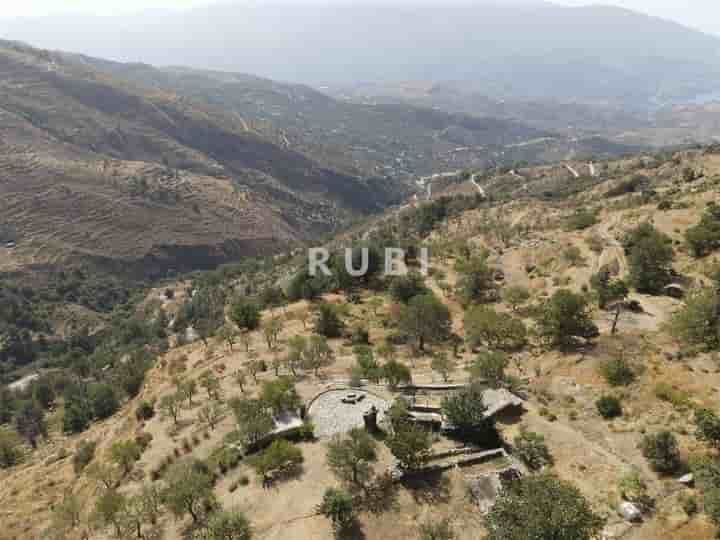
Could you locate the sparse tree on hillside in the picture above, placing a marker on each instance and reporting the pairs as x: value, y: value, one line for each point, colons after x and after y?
x: 542, y: 506
x: 476, y: 282
x: 241, y: 379
x: 125, y: 454
x: 490, y: 367
x: 608, y: 291
x: 698, y: 322
x: 564, y: 317
x: 338, y: 506
x: 271, y: 331
x: 441, y: 530
x: 483, y: 325
x: 650, y: 256
x: 351, y: 456
x: 465, y: 411
x: 254, y: 420
x: 426, y: 320
x: 317, y: 354
x: 515, y: 296
x: 210, y: 414
x: 211, y: 384
x: 531, y: 448
x: 327, y: 321
x: 280, y: 395
x: 708, y: 427
x: 170, y: 406
x: 410, y: 443
x: 10, y: 451
x: 224, y: 525
x: 30, y: 422
x: 228, y: 334
x: 443, y: 365
x: 396, y: 374
x: 662, y: 452
x: 245, y: 314
x: 188, y: 490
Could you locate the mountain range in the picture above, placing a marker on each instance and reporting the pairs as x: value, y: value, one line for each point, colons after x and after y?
x: 516, y: 50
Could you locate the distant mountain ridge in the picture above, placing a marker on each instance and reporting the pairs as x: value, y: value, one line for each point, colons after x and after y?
x: 527, y: 50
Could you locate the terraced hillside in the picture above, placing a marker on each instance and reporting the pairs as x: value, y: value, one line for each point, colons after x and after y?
x: 93, y: 167
x: 365, y: 137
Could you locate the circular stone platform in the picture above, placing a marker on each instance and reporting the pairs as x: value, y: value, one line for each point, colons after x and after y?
x: 333, y: 413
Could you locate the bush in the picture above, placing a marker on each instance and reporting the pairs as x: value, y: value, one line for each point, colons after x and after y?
x: 650, y: 257
x: 145, y: 411
x: 617, y: 372
x: 83, y: 455
x: 531, y: 448
x: 582, y: 219
x: 609, y: 407
x: 662, y: 452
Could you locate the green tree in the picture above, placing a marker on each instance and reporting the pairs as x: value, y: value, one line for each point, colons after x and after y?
x: 271, y: 329
x: 280, y: 395
x: 245, y: 314
x: 650, y: 257
x: 187, y: 390
x: 404, y: 288
x: 30, y: 422
x: 707, y: 425
x: 351, y: 456
x: 108, y: 508
x: 425, y: 319
x: 442, y: 530
x: 410, y: 443
x: 125, y: 454
x: 188, y: 489
x: 704, y: 237
x: 170, y: 406
x: 228, y: 334
x: 224, y: 525
x: 210, y: 382
x: 609, y: 407
x: 483, y: 325
x: 281, y: 455
x: 327, y: 321
x: 338, y: 506
x: 565, y: 317
x: 542, y: 506
x: 465, y: 410
x: 211, y: 413
x: 661, y: 450
x: 515, y: 296
x: 317, y: 354
x: 490, y: 367
x: 698, y: 322
x: 532, y: 449
x: 443, y: 365
x: 617, y: 371
x: 476, y: 281
x: 254, y: 420
x: 10, y: 452
x: 396, y: 373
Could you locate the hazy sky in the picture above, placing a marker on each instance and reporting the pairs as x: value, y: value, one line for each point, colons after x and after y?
x: 702, y: 14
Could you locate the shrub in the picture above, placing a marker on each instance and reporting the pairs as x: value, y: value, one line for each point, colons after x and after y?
x: 662, y: 452
x: 145, y: 411
x: 83, y: 455
x: 609, y: 407
x: 617, y: 371
x: 531, y: 448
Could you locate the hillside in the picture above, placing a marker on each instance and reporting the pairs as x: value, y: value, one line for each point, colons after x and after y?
x: 394, y: 140
x: 532, y: 236
x: 95, y: 168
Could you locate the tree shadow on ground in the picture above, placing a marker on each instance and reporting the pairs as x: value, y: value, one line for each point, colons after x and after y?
x: 428, y: 488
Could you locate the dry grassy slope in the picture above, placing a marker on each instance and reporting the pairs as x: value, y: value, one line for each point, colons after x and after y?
x: 92, y: 166
x: 590, y: 452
